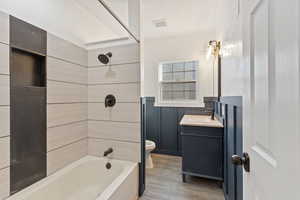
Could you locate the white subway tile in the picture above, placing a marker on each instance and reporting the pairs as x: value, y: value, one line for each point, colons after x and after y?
x: 4, y: 24
x: 124, y: 112
x: 4, y: 152
x: 64, y: 71
x: 62, y: 135
x: 122, y: 92
x: 4, y: 121
x: 4, y: 90
x: 4, y: 183
x: 122, y: 150
x: 114, y: 74
x: 115, y: 130
x: 64, y: 156
x: 4, y: 58
x: 65, y: 50
x: 98, y: 111
x: 58, y: 114
x: 127, y: 112
x: 58, y: 92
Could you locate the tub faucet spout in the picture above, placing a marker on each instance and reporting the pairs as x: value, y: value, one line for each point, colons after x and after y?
x: 107, y: 152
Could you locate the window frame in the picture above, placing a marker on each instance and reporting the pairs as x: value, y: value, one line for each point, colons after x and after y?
x: 183, y: 103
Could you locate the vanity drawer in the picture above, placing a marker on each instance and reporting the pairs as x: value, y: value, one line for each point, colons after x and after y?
x: 202, y: 131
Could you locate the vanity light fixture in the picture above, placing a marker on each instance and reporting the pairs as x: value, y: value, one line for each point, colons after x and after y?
x: 214, y: 48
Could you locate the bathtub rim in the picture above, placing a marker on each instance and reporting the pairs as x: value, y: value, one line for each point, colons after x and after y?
x: 108, y: 192
x: 128, y: 168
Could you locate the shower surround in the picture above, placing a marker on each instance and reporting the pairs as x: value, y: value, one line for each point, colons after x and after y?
x: 118, y: 126
x: 78, y: 124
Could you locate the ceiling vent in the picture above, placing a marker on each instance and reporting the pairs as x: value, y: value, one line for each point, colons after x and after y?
x: 159, y: 23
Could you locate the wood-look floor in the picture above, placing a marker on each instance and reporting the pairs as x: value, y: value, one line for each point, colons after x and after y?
x: 164, y: 182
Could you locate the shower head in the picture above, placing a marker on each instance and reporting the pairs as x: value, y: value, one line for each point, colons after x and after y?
x: 104, y: 58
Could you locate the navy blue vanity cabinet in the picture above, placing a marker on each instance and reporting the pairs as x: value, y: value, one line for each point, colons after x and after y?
x: 161, y: 125
x: 202, y: 152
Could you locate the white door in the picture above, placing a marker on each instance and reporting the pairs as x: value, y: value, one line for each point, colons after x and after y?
x: 271, y: 102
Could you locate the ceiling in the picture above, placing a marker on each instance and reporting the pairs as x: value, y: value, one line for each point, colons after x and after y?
x: 113, y: 30
x: 120, y: 7
x: 182, y: 17
x: 79, y: 21
x: 87, y: 22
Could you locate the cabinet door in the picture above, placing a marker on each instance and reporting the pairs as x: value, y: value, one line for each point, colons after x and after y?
x: 202, y: 155
x: 168, y: 133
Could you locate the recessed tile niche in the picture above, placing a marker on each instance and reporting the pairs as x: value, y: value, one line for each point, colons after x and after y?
x: 28, y: 104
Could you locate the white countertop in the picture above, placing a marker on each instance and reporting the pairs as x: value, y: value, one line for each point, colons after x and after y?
x: 200, y: 120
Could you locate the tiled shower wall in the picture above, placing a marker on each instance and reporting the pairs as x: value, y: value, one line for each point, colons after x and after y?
x: 4, y: 106
x: 66, y: 103
x: 77, y: 121
x: 117, y: 127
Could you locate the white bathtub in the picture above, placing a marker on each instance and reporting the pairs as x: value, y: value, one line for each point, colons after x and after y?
x: 86, y: 179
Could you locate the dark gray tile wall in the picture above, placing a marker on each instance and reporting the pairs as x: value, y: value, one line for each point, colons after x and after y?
x: 27, y: 95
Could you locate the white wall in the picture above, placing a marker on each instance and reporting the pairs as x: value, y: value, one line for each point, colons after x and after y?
x: 178, y: 47
x: 229, y: 31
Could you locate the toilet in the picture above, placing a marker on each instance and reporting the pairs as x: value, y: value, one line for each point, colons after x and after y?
x: 150, y: 146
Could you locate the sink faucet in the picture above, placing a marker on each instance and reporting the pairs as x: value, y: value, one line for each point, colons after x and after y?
x: 213, y: 114
x: 107, y: 152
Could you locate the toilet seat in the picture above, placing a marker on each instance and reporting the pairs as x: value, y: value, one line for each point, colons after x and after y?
x: 150, y: 145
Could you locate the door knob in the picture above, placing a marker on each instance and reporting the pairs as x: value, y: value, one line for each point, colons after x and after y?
x: 242, y: 161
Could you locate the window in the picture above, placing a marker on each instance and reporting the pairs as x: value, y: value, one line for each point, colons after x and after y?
x: 178, y: 81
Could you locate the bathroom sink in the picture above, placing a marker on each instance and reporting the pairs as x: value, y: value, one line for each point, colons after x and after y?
x: 199, y: 120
